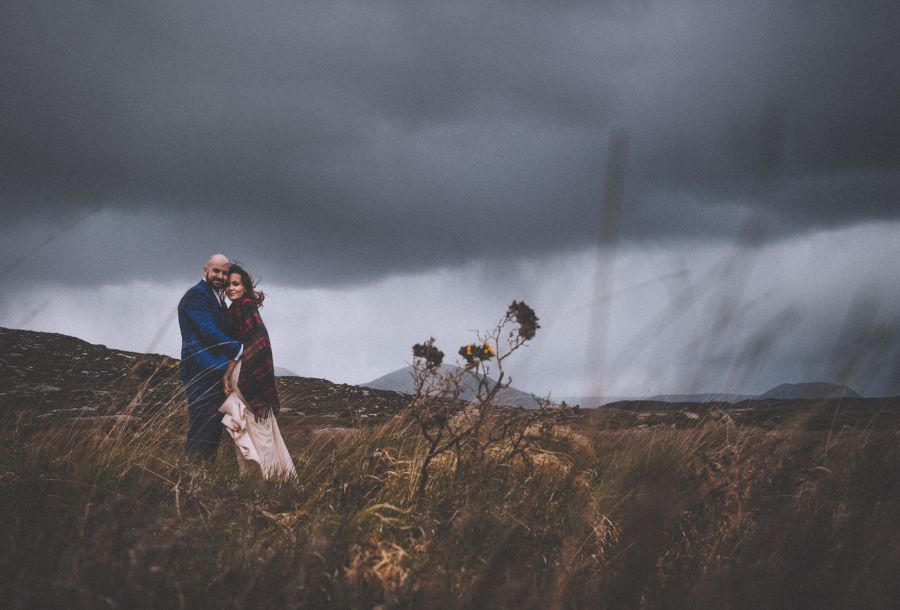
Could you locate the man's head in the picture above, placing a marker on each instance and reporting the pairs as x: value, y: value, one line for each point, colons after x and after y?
x: 216, y: 271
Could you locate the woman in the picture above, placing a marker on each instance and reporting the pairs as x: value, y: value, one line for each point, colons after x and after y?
x: 252, y: 400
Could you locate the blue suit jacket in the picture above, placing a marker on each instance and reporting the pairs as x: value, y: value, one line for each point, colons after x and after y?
x: 205, y: 348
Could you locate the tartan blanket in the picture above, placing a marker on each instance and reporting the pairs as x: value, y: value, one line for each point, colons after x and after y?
x: 257, y: 379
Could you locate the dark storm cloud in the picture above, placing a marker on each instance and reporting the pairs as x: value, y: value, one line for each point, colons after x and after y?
x: 344, y: 140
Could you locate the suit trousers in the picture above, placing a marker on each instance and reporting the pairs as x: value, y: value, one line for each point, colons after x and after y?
x: 204, y: 418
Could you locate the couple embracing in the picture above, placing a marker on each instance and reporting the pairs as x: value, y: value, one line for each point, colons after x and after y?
x: 227, y: 370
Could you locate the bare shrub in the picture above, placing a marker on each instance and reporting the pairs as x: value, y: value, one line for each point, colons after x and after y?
x: 479, y: 427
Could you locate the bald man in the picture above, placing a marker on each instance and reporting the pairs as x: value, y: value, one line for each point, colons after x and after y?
x: 205, y: 352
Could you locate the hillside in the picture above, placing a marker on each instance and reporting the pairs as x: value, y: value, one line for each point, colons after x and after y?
x: 59, y: 376
x: 710, y: 397
x: 810, y: 391
x: 786, y: 391
x: 760, y: 504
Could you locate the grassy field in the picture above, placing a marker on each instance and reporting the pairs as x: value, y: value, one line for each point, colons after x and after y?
x: 109, y: 513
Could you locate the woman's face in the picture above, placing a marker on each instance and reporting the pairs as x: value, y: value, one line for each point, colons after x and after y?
x: 234, y: 288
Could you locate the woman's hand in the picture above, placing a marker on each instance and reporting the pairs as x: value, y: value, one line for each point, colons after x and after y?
x: 229, y: 387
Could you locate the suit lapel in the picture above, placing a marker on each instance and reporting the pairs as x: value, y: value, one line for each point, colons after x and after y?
x: 212, y: 294
x: 217, y: 307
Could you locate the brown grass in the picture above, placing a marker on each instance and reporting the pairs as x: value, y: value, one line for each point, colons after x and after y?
x: 109, y: 513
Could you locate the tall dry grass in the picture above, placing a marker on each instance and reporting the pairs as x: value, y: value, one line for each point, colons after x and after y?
x: 110, y: 513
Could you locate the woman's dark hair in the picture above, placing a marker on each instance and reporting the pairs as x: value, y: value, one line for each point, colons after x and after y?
x: 249, y: 284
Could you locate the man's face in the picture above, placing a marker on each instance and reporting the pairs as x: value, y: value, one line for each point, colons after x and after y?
x: 216, y: 272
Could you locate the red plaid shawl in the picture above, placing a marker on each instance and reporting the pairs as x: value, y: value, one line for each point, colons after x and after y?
x: 257, y: 380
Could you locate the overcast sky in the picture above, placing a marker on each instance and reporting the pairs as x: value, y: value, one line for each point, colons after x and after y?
x: 394, y: 170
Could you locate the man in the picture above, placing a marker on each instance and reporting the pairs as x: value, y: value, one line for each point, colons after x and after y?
x: 205, y: 352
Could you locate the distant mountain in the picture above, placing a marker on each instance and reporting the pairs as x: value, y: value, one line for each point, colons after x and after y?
x: 788, y: 391
x: 710, y: 397
x: 283, y: 372
x: 589, y: 402
x: 813, y: 390
x: 599, y: 401
x: 401, y: 381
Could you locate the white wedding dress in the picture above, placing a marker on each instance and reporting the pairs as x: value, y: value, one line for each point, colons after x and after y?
x: 260, y: 447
